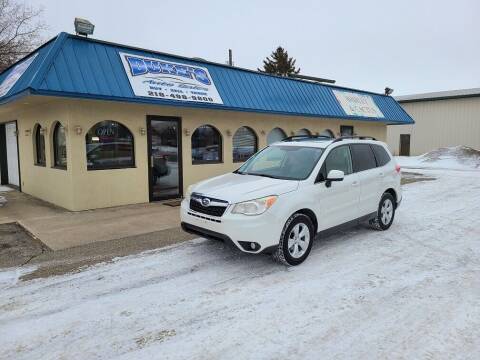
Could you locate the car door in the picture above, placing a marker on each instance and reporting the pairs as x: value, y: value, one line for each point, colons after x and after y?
x: 365, y: 166
x: 337, y: 203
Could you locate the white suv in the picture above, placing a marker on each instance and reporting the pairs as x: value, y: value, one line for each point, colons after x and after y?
x: 290, y: 191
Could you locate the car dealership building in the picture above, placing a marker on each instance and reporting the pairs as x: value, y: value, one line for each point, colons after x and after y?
x: 87, y: 124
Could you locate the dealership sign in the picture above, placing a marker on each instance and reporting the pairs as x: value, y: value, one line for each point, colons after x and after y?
x: 358, y: 104
x: 16, y: 73
x: 160, y: 79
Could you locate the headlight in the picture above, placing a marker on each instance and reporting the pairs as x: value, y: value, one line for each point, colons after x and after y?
x: 254, y: 207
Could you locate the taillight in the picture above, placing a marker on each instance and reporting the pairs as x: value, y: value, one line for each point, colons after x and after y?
x: 398, y: 168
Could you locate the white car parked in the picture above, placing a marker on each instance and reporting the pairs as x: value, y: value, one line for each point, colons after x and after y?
x: 290, y: 191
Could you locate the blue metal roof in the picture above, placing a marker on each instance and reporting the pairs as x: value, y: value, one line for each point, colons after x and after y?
x: 79, y: 67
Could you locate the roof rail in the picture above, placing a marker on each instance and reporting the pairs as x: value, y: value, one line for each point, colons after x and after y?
x: 354, y: 137
x: 307, y: 137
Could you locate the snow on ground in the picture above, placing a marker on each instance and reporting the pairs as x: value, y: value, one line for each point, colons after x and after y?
x: 452, y: 158
x: 410, y: 292
x: 5, y: 188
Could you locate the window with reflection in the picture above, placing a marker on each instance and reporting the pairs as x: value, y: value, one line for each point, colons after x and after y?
x: 109, y: 145
x: 59, y: 146
x: 244, y: 144
x: 40, y: 146
x: 275, y: 135
x: 206, y: 145
x: 303, y: 132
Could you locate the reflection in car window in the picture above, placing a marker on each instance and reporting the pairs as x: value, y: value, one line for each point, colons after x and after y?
x: 381, y: 155
x: 339, y: 159
x: 109, y: 146
x: 283, y: 162
x: 363, y: 158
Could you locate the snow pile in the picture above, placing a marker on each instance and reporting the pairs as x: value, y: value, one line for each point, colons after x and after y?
x: 454, y: 158
x: 3, y: 201
x: 5, y: 189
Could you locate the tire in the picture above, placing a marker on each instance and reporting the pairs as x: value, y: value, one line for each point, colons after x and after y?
x: 295, y: 226
x: 385, y: 213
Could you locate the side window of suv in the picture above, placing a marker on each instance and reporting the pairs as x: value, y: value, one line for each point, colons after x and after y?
x: 380, y: 154
x: 363, y: 158
x: 338, y: 159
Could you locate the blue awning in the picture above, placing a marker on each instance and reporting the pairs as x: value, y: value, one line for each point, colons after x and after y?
x: 79, y: 67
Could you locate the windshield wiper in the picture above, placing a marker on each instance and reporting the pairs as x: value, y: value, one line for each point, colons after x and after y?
x: 239, y: 172
x: 264, y: 175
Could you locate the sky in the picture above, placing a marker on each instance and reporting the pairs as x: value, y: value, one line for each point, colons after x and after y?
x: 410, y: 46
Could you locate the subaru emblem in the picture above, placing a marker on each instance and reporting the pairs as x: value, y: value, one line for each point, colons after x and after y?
x: 205, y: 202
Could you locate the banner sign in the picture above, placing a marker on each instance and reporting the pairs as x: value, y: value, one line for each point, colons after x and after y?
x: 15, y: 74
x: 358, y: 104
x: 155, y: 78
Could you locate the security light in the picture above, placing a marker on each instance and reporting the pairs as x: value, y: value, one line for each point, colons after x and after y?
x: 388, y: 91
x: 83, y: 27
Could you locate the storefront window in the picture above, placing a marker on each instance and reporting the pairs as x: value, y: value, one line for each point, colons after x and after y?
x: 244, y: 144
x: 59, y: 146
x: 303, y: 132
x: 109, y: 146
x: 206, y: 145
x: 39, y: 146
x: 275, y: 135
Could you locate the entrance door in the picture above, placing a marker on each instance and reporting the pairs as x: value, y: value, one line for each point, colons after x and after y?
x: 404, y: 145
x: 12, y: 153
x: 165, y: 157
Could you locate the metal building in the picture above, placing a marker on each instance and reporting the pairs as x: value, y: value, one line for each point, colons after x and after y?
x: 442, y: 119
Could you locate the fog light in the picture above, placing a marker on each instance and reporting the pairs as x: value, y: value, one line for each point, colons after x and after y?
x: 252, y: 246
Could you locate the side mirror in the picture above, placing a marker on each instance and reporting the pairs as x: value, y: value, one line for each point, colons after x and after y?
x: 334, y: 175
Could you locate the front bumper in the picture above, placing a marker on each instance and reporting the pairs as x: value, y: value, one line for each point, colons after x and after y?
x: 240, y: 230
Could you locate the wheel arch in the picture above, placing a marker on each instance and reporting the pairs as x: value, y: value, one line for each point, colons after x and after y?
x: 311, y: 215
x: 392, y: 192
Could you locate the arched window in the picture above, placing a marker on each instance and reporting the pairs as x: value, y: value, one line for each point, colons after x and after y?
x: 206, y: 145
x: 328, y: 132
x: 40, y: 146
x: 275, y: 135
x: 244, y: 144
x: 59, y: 146
x: 304, y: 132
x: 109, y: 146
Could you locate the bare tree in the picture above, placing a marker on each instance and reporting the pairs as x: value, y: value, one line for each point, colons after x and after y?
x: 20, y: 28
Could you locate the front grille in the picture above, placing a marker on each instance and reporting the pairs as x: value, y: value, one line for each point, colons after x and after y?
x: 215, y: 208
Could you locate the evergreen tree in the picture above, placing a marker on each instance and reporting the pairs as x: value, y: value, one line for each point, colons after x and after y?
x: 279, y: 63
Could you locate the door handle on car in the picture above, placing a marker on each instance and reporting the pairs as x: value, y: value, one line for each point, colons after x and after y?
x: 382, y: 174
x: 355, y: 183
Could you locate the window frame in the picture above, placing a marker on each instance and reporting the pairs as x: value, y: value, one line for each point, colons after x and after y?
x: 114, y: 167
x: 353, y: 159
x: 56, y: 165
x: 37, y: 134
x: 255, y: 150
x: 220, y: 150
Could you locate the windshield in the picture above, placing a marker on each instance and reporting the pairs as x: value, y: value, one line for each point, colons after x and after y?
x: 283, y: 162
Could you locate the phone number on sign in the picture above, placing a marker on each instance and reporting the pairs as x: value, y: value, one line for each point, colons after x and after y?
x: 180, y: 97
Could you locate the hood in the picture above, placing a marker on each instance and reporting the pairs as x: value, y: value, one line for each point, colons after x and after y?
x: 236, y: 188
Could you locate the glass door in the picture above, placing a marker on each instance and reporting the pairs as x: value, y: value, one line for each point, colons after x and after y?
x: 164, y: 145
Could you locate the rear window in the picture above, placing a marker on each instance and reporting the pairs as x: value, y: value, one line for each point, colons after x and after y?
x: 363, y: 158
x: 381, y: 155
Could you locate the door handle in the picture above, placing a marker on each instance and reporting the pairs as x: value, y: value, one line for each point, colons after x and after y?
x: 382, y: 175
x: 355, y: 183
